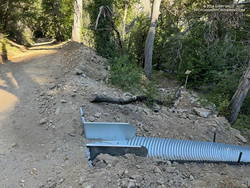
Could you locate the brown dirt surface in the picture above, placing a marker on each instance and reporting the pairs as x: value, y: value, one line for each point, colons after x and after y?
x: 41, y: 141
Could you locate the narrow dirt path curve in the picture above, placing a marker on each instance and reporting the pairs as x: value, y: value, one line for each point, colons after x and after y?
x: 30, y: 155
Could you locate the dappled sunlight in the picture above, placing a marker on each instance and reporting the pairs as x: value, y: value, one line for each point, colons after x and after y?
x: 44, y: 43
x: 9, y: 84
x: 36, y: 52
x: 48, y: 46
x: 7, y: 102
x: 3, y: 83
x: 30, y: 55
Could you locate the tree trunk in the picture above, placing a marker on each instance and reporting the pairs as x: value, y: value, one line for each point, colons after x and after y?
x: 149, y: 46
x: 240, y: 95
x: 76, y: 30
x: 124, y: 20
x: 6, y: 15
x: 147, y: 7
x: 4, y: 55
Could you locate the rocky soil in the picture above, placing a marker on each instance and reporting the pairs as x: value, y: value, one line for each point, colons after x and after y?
x: 48, y: 150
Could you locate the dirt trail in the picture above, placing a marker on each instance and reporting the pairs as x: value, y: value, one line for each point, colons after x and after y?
x: 41, y: 142
x: 28, y: 152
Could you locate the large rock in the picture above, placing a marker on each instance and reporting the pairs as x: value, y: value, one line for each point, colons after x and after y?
x: 103, y: 160
x: 202, y: 112
x: 78, y: 72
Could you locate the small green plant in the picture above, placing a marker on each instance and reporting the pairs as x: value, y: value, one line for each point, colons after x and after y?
x: 242, y: 122
x: 203, y: 101
x: 221, y: 101
x: 169, y: 100
x: 223, y: 107
x: 150, y: 91
x: 125, y: 74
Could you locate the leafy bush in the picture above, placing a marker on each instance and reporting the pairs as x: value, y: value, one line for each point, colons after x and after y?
x: 104, y: 39
x: 242, y: 122
x: 212, y: 49
x: 208, y: 60
x: 125, y: 73
x: 220, y: 93
x: 137, y: 38
x: 151, y: 92
x: 56, y: 19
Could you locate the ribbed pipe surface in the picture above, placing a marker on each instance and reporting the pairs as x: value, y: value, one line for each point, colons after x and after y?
x: 172, y: 149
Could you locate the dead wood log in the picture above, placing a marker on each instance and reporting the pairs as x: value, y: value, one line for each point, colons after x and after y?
x: 122, y: 101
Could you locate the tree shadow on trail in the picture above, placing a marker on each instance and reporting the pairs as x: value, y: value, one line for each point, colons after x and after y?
x: 11, y: 75
x: 19, y: 111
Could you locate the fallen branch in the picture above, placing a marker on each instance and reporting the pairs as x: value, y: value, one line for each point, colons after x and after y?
x: 122, y: 101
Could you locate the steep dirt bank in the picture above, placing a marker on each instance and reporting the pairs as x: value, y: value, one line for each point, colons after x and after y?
x: 41, y: 143
x: 177, y: 122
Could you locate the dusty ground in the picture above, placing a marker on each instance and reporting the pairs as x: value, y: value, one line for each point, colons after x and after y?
x: 40, y: 137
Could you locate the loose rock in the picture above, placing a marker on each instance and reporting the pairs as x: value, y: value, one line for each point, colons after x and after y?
x: 78, y: 72
x: 43, y: 121
x: 63, y: 101
x: 202, y: 112
x: 241, y: 138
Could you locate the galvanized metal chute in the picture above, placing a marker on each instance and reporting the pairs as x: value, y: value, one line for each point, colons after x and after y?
x: 120, y: 138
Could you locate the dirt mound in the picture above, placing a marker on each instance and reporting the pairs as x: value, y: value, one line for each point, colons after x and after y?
x: 180, y: 122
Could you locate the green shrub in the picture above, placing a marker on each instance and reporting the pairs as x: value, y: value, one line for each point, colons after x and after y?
x: 150, y: 91
x: 212, y: 50
x: 137, y: 38
x: 56, y: 19
x: 242, y: 122
x: 126, y: 74
x: 208, y: 56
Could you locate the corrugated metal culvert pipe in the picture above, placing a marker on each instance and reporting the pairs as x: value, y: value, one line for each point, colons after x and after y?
x: 112, y: 137
x: 186, y: 150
